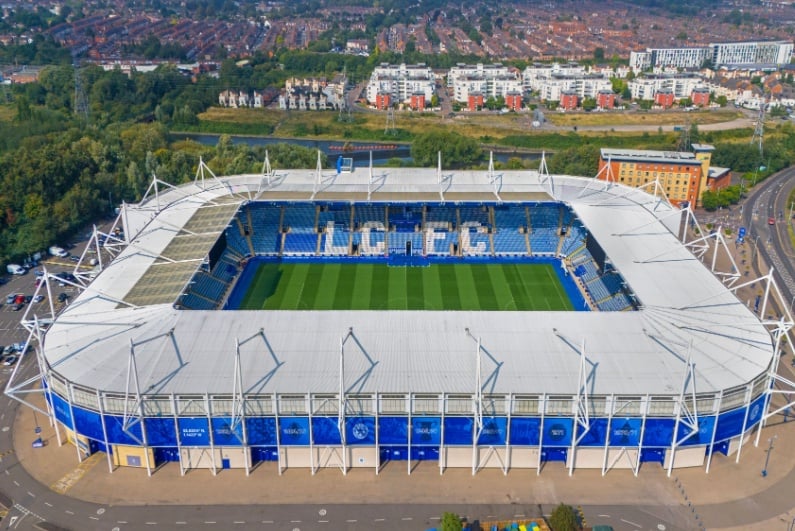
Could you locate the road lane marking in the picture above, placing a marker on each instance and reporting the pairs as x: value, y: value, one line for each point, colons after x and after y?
x: 68, y: 512
x: 631, y: 523
x: 48, y: 504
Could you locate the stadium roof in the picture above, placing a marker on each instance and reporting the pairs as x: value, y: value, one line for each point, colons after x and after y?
x: 686, y: 311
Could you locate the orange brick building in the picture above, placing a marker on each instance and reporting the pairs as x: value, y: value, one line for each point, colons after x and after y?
x: 475, y: 101
x: 664, y: 98
x: 417, y: 102
x: 383, y: 101
x: 682, y: 175
x: 605, y: 99
x: 569, y: 100
x: 513, y: 100
x: 700, y: 97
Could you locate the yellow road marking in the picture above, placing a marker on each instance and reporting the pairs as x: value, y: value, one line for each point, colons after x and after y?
x: 72, y: 477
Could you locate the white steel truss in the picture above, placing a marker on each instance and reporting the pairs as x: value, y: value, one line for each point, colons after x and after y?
x: 582, y: 417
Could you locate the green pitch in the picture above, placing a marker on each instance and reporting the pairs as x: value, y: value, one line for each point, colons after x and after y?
x: 371, y: 286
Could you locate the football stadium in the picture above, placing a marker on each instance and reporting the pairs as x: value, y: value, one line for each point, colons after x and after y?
x: 366, y: 318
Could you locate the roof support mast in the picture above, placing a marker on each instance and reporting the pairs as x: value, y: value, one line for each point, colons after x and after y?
x: 582, y: 416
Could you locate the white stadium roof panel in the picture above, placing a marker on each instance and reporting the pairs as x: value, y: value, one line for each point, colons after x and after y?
x: 686, y: 311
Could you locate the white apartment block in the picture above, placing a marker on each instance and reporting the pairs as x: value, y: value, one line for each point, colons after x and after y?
x: 720, y: 54
x: 535, y: 74
x: 401, y: 81
x: 584, y: 87
x: 493, y: 81
x: 550, y: 80
x: 755, y: 52
x: 644, y: 88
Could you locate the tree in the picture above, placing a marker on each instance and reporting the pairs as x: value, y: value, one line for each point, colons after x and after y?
x: 434, y: 101
x: 599, y: 54
x: 563, y: 518
x: 588, y: 104
x: 456, y: 149
x: 451, y: 522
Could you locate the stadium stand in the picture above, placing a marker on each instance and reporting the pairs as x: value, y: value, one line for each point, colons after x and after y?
x: 265, y: 219
x: 508, y: 220
x: 544, y: 228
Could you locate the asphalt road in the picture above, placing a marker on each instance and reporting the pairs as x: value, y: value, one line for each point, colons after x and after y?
x: 769, y: 200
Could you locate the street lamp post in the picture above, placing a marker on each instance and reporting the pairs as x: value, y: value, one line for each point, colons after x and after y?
x: 769, y: 451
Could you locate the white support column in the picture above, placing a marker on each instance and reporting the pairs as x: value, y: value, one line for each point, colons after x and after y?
x: 104, y: 431
x: 478, y: 406
x: 74, y: 422
x: 278, y: 433
x: 582, y: 415
x: 442, y: 447
x: 177, y: 433
x: 208, y: 413
x: 377, y: 435
x: 543, y: 404
x: 690, y: 418
x: 410, y: 430
x: 749, y: 394
x: 610, y: 405
x: 642, y: 434
x: 714, y: 431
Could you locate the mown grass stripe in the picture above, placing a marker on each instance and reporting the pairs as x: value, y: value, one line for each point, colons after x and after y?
x: 484, y: 286
x: 432, y: 289
x: 520, y: 296
x: 448, y: 282
x: 311, y: 283
x: 502, y: 291
x: 293, y: 279
x: 397, y: 288
x: 415, y: 289
x: 361, y: 287
x: 466, y: 287
x: 327, y: 287
x: 379, y: 291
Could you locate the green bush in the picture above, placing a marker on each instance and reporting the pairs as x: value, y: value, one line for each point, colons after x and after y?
x: 564, y: 518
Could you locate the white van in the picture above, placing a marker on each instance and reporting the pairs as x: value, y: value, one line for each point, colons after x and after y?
x: 16, y: 269
x: 58, y: 251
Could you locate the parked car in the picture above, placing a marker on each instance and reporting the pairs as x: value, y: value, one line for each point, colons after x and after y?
x: 20, y: 347
x: 16, y: 269
x: 771, y: 221
x: 38, y: 272
x: 19, y: 298
x: 8, y: 350
x: 59, y: 251
x: 28, y: 298
x: 17, y: 306
x: 62, y: 297
x: 9, y: 360
x: 38, y: 298
x: 10, y: 298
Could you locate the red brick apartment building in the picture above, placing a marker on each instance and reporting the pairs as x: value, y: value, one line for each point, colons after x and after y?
x: 417, y: 102
x: 383, y: 101
x: 569, y: 100
x: 513, y: 100
x: 475, y: 101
